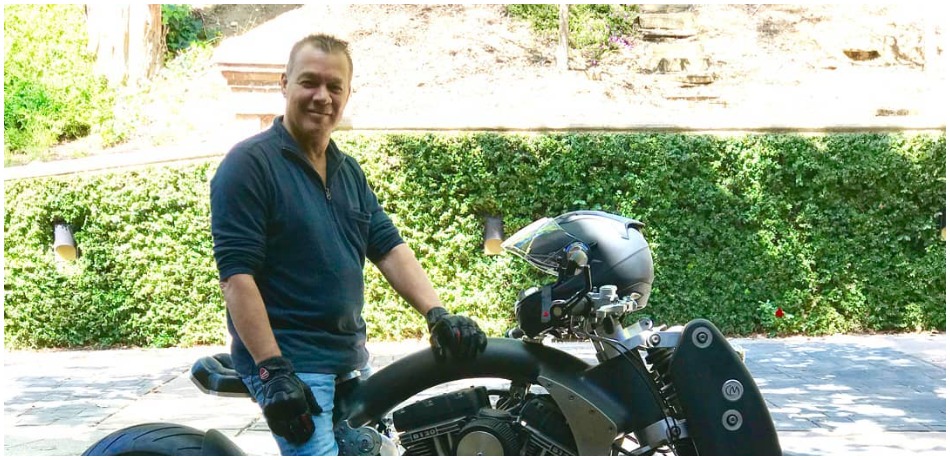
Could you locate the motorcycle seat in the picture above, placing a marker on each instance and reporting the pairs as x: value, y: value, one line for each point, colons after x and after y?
x: 215, y: 375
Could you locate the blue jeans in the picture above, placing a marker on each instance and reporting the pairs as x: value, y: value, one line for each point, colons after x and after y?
x: 324, y: 387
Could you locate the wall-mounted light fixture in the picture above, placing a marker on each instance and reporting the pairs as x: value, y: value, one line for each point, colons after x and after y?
x: 494, y: 235
x: 63, y: 242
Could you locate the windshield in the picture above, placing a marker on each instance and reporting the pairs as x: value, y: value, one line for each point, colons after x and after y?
x: 540, y: 244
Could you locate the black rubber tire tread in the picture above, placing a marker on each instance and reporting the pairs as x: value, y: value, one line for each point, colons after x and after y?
x: 150, y: 439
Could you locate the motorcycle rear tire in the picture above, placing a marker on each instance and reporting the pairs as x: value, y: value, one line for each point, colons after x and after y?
x: 154, y: 439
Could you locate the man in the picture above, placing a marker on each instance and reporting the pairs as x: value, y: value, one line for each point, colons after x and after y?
x: 293, y: 220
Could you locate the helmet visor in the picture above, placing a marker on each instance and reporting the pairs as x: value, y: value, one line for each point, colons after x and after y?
x: 540, y: 243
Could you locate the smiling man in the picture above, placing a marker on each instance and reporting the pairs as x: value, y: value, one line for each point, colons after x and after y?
x: 293, y: 220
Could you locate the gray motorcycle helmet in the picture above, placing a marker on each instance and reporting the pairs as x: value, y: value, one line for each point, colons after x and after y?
x: 615, y: 249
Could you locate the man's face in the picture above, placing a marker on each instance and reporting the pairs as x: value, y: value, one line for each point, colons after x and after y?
x: 316, y: 91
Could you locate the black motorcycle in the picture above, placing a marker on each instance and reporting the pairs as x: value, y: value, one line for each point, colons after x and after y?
x: 655, y: 390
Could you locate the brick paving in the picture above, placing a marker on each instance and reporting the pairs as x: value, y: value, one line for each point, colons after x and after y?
x: 827, y: 395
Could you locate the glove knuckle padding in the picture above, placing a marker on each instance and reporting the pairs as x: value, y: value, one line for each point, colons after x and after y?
x: 456, y: 335
x: 288, y: 403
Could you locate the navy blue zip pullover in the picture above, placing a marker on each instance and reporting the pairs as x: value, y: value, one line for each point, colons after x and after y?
x: 304, y: 242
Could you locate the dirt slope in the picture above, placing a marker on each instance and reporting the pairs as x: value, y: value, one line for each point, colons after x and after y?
x: 475, y: 65
x: 473, y: 61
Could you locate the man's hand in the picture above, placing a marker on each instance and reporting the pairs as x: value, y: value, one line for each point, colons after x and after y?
x: 288, y: 401
x: 457, y: 335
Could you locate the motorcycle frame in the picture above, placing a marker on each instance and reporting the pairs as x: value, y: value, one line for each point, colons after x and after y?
x: 598, y: 404
x: 723, y: 409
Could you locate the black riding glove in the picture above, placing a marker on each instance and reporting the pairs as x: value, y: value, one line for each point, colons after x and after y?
x: 457, y: 335
x: 288, y: 402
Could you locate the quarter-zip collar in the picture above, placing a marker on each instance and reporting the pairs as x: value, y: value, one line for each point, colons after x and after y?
x: 289, y: 145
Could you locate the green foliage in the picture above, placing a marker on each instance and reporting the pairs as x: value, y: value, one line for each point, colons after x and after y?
x: 50, y: 92
x: 592, y: 29
x: 145, y: 275
x: 184, y: 28
x: 178, y: 101
x: 837, y: 231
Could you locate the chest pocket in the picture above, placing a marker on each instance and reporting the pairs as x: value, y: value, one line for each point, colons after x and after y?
x: 351, y: 210
x: 355, y: 225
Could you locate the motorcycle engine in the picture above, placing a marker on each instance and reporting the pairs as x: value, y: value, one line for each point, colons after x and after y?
x: 465, y: 423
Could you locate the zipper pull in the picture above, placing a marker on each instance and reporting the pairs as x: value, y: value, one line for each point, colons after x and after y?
x: 327, y: 189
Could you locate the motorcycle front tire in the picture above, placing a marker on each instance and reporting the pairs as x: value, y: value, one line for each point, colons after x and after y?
x: 166, y: 439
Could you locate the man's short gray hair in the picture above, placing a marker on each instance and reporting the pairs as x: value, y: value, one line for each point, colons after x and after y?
x: 323, y: 42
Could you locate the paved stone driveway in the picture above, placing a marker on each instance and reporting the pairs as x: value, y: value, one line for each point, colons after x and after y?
x: 830, y: 395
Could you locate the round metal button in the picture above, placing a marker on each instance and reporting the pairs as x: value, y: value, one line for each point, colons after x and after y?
x: 732, y: 420
x: 702, y: 337
x: 732, y: 390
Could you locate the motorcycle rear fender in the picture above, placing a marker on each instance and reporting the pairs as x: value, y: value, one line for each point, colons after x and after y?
x: 587, y: 394
x: 725, y: 412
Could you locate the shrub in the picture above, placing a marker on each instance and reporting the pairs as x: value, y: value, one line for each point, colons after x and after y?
x: 50, y: 92
x: 179, y: 101
x: 143, y: 277
x: 837, y: 231
x: 594, y: 29
x: 184, y: 27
